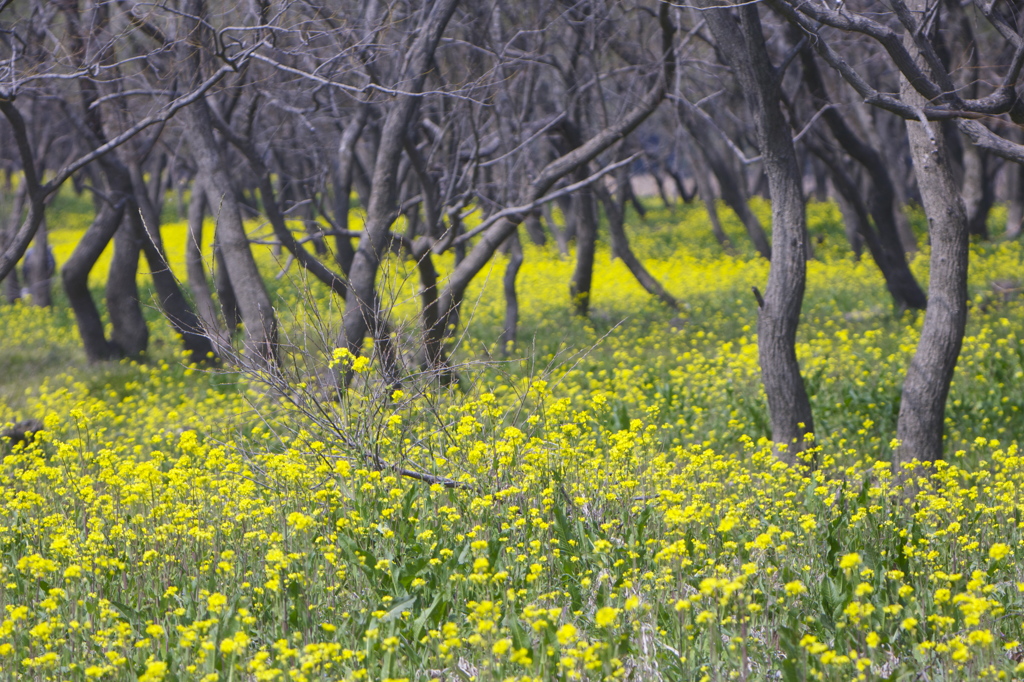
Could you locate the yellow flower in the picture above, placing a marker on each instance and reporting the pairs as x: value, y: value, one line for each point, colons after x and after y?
x: 998, y: 551
x: 566, y: 634
x: 605, y: 616
x: 216, y: 602
x: 795, y: 587
x: 849, y: 561
x: 155, y: 671
x: 873, y: 639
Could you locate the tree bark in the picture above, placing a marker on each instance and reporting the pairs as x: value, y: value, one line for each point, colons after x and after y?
x: 586, y: 245
x: 923, y: 404
x: 788, y: 404
x: 495, y: 235
x: 887, y: 249
x: 75, y: 276
x: 254, y: 305
x: 39, y: 269
x: 343, y: 251
x: 129, y: 331
x: 362, y: 308
x: 731, y: 183
x: 615, y: 210
x: 978, y: 189
x: 1015, y: 200
x: 510, y: 330
x: 196, y: 271
x: 11, y: 283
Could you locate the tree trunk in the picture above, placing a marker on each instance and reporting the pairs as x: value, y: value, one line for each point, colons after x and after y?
x: 75, y: 276
x: 145, y: 222
x: 923, y: 404
x: 196, y: 270
x: 39, y: 269
x: 343, y: 251
x: 509, y: 332
x: 129, y: 331
x: 535, y: 230
x: 362, y: 307
x: 978, y: 189
x: 1015, y: 199
x: 887, y: 250
x: 254, y: 303
x: 788, y: 404
x: 586, y: 244
x: 225, y: 291
x: 12, y: 283
x: 615, y: 210
x: 705, y: 189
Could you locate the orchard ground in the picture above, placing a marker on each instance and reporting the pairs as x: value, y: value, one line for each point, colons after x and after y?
x: 613, y: 509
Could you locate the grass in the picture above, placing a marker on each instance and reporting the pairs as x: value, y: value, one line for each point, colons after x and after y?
x: 615, y: 511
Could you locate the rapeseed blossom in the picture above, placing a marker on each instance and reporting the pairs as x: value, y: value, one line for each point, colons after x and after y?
x: 621, y: 515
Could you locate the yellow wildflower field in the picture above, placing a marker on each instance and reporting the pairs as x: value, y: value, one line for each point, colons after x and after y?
x: 601, y: 503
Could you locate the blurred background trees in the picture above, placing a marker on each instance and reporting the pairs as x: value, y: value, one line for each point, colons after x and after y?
x: 461, y: 128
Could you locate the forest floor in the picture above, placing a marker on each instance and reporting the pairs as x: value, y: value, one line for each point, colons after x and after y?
x: 604, y: 505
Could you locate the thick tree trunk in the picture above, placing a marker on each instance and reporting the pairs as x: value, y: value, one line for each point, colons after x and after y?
x: 196, y: 270
x: 254, y: 303
x: 362, y: 308
x: 129, y: 331
x: 788, y: 405
x: 923, y: 404
x: 75, y: 276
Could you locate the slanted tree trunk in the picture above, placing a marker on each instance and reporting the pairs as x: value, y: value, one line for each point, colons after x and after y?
x: 921, y: 420
x: 731, y: 182
x: 615, y: 210
x: 788, y: 404
x: 706, y: 191
x: 509, y: 332
x: 534, y: 229
x: 75, y: 276
x: 887, y: 249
